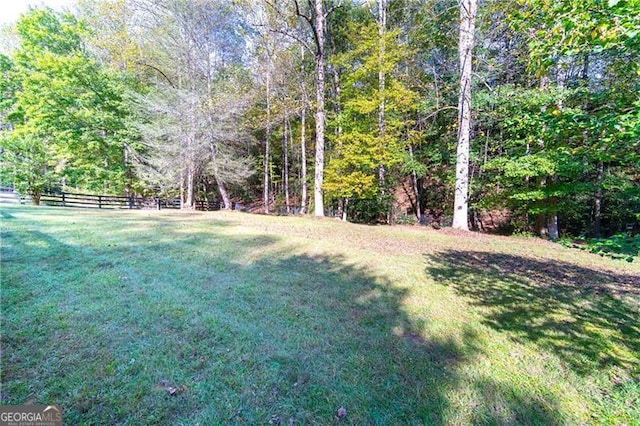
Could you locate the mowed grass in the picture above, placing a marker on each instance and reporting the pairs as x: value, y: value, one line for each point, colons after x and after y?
x: 150, y: 317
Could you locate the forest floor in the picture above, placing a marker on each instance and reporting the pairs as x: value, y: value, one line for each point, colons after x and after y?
x: 151, y: 317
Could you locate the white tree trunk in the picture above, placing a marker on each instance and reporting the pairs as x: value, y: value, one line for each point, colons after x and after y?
x: 552, y: 224
x: 265, y: 188
x: 382, y: 30
x: 190, y: 201
x: 345, y: 206
x: 468, y: 9
x: 319, y: 163
x: 216, y: 175
x: 303, y: 138
x: 286, y: 127
x: 182, y: 188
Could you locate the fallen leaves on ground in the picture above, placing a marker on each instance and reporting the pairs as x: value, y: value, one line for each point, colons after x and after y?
x: 171, y: 390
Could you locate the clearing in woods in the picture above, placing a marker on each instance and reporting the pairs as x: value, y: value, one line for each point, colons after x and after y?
x: 150, y: 317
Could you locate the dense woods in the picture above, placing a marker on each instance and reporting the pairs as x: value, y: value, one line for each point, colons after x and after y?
x: 523, y: 114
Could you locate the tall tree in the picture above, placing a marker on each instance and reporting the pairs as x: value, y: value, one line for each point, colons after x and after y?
x: 564, y: 148
x: 318, y: 30
x: 196, y: 49
x: 315, y: 18
x: 303, y: 138
x: 382, y: 31
x: 468, y: 11
x: 361, y: 149
x: 68, y: 115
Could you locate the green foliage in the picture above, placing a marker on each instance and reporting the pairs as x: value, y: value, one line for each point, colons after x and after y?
x: 8, y: 86
x: 543, y: 147
x: 42, y: 30
x: 26, y: 163
x: 556, y: 106
x: 577, y: 26
x: 618, y: 246
x: 530, y: 126
x: 564, y: 130
x: 360, y: 147
x: 68, y: 115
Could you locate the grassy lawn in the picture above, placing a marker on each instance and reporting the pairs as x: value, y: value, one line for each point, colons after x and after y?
x: 227, y: 318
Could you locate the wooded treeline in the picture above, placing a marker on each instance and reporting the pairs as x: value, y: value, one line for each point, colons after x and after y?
x: 354, y: 108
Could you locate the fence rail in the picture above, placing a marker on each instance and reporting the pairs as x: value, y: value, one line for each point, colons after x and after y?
x: 67, y: 199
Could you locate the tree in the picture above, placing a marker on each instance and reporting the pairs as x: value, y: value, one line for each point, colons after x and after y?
x: 555, y: 143
x: 468, y: 11
x: 370, y: 141
x: 315, y: 17
x: 67, y: 120
x: 196, y: 51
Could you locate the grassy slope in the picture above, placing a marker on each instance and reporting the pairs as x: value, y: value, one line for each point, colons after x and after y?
x: 263, y: 319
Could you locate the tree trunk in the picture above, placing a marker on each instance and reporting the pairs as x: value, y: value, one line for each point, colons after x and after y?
x: 552, y: 220
x: 303, y: 138
x: 226, y: 202
x: 597, y: 201
x: 265, y: 188
x: 35, y: 197
x: 285, y: 160
x: 182, y: 197
x: 303, y: 153
x: 128, y: 170
x: 541, y: 226
x: 541, y: 219
x: 319, y: 163
x: 552, y: 226
x: 216, y: 175
x: 416, y: 190
x: 468, y: 9
x: 382, y: 30
x: 547, y: 225
x: 338, y: 91
x: 597, y: 208
x: 190, y: 201
x: 345, y: 205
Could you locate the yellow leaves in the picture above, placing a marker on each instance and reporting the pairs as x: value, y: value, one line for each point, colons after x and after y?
x: 345, y: 183
x: 363, y: 105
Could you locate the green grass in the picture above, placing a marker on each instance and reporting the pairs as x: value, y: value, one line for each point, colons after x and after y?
x: 258, y: 320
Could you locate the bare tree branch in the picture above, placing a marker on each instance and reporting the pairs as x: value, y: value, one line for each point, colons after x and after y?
x: 310, y: 21
x: 289, y: 34
x: 333, y: 9
x: 157, y: 70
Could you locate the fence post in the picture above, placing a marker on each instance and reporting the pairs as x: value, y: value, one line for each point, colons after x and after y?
x: 63, y: 200
x: 158, y: 199
x: 130, y: 202
x: 99, y: 201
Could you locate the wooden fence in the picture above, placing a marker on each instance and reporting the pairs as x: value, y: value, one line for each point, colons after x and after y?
x: 9, y: 195
x: 67, y: 199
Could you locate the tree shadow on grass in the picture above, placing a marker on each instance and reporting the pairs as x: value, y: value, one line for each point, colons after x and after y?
x: 587, y: 317
x: 6, y: 215
x: 244, y: 338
